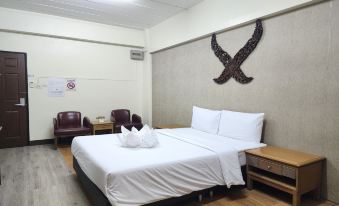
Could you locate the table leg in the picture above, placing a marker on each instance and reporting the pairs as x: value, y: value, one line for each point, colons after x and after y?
x: 249, y: 183
x: 317, y: 193
x: 56, y: 142
x: 296, y: 199
x: 249, y: 180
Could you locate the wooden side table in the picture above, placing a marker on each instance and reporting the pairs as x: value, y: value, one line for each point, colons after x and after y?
x: 98, y: 126
x: 288, y: 170
x: 169, y: 126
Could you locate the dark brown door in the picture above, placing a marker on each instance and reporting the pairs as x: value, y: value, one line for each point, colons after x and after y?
x: 13, y: 100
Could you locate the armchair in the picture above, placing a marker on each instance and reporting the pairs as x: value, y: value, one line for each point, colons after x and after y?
x: 122, y: 117
x: 68, y: 124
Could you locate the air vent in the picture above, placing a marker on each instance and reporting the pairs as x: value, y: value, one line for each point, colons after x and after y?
x: 137, y: 55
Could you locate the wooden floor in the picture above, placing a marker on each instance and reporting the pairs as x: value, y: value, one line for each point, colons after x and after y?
x: 40, y: 176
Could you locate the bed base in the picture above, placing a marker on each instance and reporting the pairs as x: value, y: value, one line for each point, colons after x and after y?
x: 97, y: 197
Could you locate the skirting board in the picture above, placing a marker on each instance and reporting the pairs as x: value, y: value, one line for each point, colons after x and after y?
x: 41, y: 142
x: 66, y: 141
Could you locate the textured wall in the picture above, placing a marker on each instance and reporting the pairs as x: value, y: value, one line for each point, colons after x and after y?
x: 296, y: 82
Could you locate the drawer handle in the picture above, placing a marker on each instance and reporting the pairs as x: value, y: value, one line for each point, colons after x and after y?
x: 269, y: 167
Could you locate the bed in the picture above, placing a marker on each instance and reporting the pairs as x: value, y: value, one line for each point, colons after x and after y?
x: 186, y: 160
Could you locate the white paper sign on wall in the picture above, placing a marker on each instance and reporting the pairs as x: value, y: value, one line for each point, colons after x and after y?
x: 71, y: 84
x: 56, y: 87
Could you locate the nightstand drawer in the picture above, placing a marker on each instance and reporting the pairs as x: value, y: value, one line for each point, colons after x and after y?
x: 271, y: 166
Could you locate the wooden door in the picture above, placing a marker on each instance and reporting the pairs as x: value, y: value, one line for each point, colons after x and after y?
x: 13, y: 100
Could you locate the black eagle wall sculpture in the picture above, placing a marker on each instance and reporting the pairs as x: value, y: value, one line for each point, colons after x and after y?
x: 232, y: 65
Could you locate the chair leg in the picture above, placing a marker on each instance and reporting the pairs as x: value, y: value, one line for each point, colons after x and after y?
x: 56, y: 142
x: 211, y: 193
x: 200, y: 197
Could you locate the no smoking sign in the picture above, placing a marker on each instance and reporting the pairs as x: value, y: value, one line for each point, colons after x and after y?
x: 71, y: 85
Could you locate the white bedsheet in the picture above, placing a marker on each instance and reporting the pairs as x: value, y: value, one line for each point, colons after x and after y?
x: 186, y: 160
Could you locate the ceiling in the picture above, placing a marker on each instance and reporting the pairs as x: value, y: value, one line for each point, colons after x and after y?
x: 129, y: 13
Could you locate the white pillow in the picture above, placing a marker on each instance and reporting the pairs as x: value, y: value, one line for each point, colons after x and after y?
x: 205, y: 120
x: 244, y: 126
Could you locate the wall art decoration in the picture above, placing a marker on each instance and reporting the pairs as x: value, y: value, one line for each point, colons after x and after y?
x: 232, y: 65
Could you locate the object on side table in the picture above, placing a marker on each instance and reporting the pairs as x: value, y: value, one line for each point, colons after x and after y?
x: 122, y: 117
x: 290, y: 171
x: 100, y: 119
x: 68, y: 124
x: 169, y: 126
x: 100, y: 126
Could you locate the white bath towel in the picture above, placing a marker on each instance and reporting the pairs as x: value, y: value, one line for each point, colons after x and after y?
x: 145, y: 138
x: 148, y: 137
x: 129, y: 138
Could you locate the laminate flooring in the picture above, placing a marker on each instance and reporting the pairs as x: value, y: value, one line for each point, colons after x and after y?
x: 38, y: 176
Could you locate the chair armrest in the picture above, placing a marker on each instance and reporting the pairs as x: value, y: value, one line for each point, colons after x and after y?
x: 136, y: 118
x: 113, y: 119
x: 55, y: 123
x: 86, y: 122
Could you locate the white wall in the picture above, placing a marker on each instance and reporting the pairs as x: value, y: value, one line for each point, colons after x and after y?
x: 107, y: 78
x: 214, y: 15
x: 84, y: 61
x: 42, y: 24
x: 147, y: 83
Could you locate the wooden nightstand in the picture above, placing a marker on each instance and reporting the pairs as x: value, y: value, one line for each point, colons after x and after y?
x: 169, y: 126
x: 287, y: 170
x: 97, y: 126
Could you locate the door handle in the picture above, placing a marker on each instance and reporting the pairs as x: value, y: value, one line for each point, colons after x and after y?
x: 0, y: 128
x: 22, y: 103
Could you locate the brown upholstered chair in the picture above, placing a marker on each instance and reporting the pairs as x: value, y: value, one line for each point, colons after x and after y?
x: 122, y: 117
x: 68, y: 124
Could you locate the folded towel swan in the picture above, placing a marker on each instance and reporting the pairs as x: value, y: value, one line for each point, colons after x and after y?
x: 145, y: 138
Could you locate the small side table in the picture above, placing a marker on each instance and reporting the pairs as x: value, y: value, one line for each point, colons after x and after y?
x: 288, y: 170
x: 99, y: 126
x: 169, y: 126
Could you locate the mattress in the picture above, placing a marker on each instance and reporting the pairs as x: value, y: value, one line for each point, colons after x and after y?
x: 181, y: 164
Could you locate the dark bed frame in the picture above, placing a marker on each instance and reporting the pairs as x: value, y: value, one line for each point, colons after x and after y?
x: 98, y: 198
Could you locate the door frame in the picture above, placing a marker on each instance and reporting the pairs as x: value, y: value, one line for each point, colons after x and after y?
x: 27, y: 100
